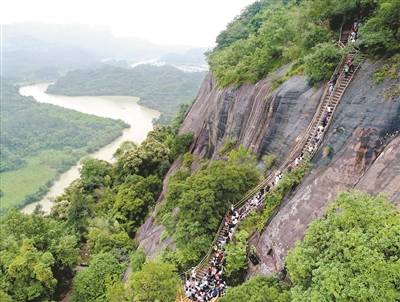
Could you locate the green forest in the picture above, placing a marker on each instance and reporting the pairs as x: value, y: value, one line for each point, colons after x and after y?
x: 39, y: 141
x: 163, y: 88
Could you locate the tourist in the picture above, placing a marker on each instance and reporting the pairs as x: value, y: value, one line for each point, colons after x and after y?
x: 330, y: 90
x: 346, y: 70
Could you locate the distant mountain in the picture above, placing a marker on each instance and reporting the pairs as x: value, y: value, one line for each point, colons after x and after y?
x: 36, y: 51
x: 192, y: 56
x: 163, y: 88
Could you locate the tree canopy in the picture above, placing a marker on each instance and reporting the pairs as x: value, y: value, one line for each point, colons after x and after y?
x: 91, y: 283
x: 351, y: 255
x: 36, y: 255
x: 154, y: 282
x: 258, y: 289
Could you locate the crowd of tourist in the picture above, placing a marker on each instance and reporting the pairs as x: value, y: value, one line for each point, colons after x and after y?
x: 211, y: 284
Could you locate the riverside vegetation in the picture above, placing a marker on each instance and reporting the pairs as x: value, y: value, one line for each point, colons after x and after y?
x: 351, y: 254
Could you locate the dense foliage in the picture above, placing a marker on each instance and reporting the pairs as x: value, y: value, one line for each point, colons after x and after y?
x: 351, y: 255
x: 107, y: 204
x: 37, y: 256
x: 321, y: 63
x: 90, y: 285
x: 155, y: 282
x: 31, y: 135
x: 258, y: 289
x: 236, y: 258
x: 163, y: 88
x: 381, y: 34
x: 111, y: 201
x: 202, y: 199
x: 269, y: 34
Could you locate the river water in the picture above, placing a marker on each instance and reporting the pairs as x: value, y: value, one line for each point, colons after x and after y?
x: 116, y: 107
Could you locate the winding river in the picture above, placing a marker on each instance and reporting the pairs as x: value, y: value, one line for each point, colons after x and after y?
x: 116, y: 107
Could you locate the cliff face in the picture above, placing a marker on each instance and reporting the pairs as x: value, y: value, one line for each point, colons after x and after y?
x: 362, y: 157
x: 270, y: 121
x: 263, y: 120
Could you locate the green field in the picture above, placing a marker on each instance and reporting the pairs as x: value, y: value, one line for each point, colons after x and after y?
x: 16, y: 185
x: 26, y: 184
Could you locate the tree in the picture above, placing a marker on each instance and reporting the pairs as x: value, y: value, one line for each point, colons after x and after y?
x: 381, y: 33
x: 236, y: 258
x: 202, y: 199
x: 258, y: 289
x: 104, y: 236
x: 133, y: 200
x: 152, y: 157
x: 31, y: 275
x: 91, y: 284
x: 353, y: 254
x: 155, y: 282
x: 320, y: 64
x: 95, y: 173
x: 37, y: 255
x: 138, y: 259
x: 180, y: 144
x: 125, y: 146
x: 77, y: 207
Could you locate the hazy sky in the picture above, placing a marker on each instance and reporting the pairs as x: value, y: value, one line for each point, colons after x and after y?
x: 189, y: 22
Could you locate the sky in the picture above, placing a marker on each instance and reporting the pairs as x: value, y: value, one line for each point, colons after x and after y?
x: 172, y: 22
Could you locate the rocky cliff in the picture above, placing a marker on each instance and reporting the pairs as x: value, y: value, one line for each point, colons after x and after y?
x: 260, y: 118
x: 364, y: 154
x: 268, y: 120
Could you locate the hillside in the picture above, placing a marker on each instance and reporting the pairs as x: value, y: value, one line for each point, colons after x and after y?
x: 32, y: 151
x: 163, y: 88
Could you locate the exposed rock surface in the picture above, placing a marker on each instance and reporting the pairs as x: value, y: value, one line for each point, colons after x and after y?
x: 150, y: 238
x: 356, y: 139
x: 262, y: 120
x: 384, y: 175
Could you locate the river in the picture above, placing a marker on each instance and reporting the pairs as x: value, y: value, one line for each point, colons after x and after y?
x: 125, y: 108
